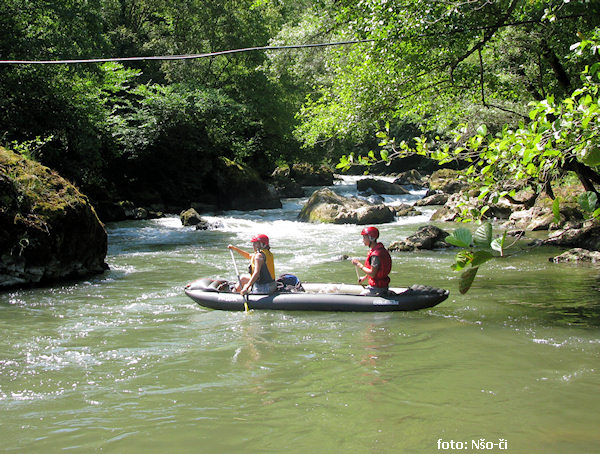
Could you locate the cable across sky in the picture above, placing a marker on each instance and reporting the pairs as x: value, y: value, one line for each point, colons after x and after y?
x: 249, y: 49
x: 177, y: 57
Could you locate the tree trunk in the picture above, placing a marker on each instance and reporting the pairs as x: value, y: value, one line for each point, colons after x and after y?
x: 557, y: 66
x: 586, y: 175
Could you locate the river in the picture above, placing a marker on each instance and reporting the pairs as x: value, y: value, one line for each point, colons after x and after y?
x: 126, y: 363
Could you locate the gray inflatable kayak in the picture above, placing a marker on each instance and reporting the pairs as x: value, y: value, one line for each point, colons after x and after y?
x: 217, y: 294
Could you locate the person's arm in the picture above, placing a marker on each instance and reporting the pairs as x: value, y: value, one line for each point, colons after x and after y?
x: 369, y: 271
x: 240, y: 251
x: 258, y: 263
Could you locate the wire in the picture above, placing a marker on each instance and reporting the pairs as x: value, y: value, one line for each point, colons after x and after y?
x: 250, y: 49
x: 177, y: 57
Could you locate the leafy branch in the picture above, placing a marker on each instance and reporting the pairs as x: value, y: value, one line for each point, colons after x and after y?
x: 477, y: 248
x: 559, y: 136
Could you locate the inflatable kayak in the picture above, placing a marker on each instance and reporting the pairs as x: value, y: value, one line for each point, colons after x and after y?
x: 218, y: 294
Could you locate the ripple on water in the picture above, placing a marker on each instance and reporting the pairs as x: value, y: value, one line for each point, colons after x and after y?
x: 98, y: 360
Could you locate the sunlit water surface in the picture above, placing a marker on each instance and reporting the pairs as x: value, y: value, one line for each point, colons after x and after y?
x: 126, y: 363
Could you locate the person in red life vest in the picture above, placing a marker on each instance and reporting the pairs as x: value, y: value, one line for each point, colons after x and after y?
x: 262, y: 267
x: 378, y: 264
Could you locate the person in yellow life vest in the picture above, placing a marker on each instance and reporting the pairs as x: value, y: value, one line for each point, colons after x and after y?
x: 262, y: 267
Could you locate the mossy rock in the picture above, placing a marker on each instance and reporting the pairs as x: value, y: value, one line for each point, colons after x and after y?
x: 310, y: 175
x: 241, y: 188
x: 48, y: 229
x: 447, y: 181
x: 325, y: 206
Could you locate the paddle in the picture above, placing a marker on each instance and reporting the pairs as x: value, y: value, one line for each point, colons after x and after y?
x: 239, y: 280
x: 358, y: 275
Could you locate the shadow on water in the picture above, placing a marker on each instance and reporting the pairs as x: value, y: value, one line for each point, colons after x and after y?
x: 530, y: 287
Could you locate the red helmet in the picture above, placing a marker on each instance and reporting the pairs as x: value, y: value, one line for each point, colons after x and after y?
x: 372, y: 232
x: 264, y: 239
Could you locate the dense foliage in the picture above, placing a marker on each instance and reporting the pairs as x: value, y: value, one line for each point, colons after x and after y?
x: 438, y: 63
x: 113, y: 126
x: 556, y: 137
x: 421, y: 67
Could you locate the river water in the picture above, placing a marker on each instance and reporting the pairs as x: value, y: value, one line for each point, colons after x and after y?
x: 126, y: 363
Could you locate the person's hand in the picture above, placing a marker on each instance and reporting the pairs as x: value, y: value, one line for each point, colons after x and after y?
x: 230, y: 246
x: 355, y: 262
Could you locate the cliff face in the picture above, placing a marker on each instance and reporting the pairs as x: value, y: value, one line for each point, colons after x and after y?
x: 48, y: 229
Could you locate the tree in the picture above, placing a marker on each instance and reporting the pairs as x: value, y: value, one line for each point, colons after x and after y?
x: 437, y: 63
x: 91, y: 121
x: 561, y: 136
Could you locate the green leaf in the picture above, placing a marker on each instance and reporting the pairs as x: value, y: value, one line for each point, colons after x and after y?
x: 480, y: 257
x: 556, y: 210
x: 587, y: 201
x: 483, y: 235
x: 463, y: 258
x: 498, y: 244
x: 344, y: 163
x: 466, y: 280
x: 590, y: 155
x: 461, y: 237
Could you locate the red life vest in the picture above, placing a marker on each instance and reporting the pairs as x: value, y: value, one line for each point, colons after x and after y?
x: 381, y: 279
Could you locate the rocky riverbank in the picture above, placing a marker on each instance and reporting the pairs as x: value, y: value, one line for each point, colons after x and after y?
x: 454, y: 200
x: 49, y: 231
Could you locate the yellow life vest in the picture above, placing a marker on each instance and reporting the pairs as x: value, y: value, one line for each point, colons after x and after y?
x: 269, y: 261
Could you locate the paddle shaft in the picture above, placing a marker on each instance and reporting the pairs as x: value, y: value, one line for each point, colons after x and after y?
x: 237, y: 272
x: 239, y: 280
x: 358, y: 276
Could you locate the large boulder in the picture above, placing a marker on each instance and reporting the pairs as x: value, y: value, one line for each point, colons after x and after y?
x: 577, y: 255
x: 585, y: 237
x: 452, y: 209
x: 241, y: 188
x: 406, y: 210
x: 380, y: 186
x: 284, y: 184
x: 437, y: 198
x: 426, y: 237
x: 370, y: 214
x: 190, y: 217
x: 309, y: 175
x: 411, y: 177
x: 48, y: 229
x: 124, y: 210
x: 326, y: 206
x: 447, y: 181
x: 541, y: 217
x: 289, y: 180
x: 469, y: 202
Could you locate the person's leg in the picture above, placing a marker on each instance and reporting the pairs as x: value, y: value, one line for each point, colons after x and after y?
x: 243, y: 281
x: 375, y: 291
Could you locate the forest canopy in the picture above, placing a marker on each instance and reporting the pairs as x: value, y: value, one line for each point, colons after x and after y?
x: 421, y: 68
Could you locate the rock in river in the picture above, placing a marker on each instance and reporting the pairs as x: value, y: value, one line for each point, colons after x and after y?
x: 325, y: 205
x: 48, y: 229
